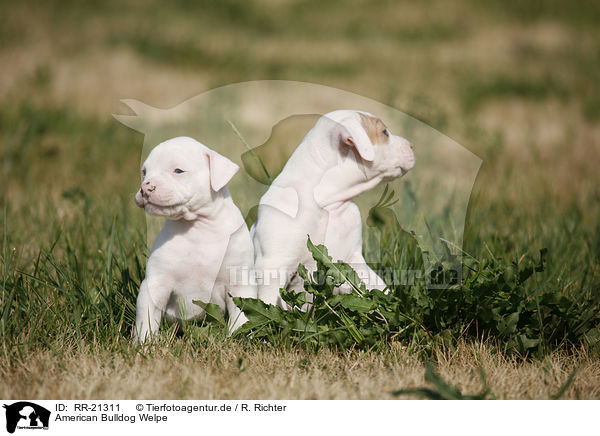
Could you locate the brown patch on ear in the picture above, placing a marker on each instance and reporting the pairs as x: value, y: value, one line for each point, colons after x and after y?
x: 374, y: 128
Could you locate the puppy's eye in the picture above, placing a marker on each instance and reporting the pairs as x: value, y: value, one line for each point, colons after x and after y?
x: 144, y: 172
x: 386, y: 133
x: 178, y: 171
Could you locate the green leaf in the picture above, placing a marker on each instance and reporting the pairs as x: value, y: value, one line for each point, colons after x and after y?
x: 258, y: 311
x: 508, y: 324
x: 443, y: 390
x: 300, y: 325
x: 293, y: 298
x: 213, y: 311
x: 354, y: 303
x: 526, y: 343
x: 565, y: 385
x: 339, y: 271
x: 592, y: 337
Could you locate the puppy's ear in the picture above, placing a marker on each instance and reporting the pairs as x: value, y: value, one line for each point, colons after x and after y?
x: 352, y: 134
x: 221, y: 170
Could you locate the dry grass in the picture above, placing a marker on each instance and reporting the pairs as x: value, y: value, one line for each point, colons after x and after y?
x: 229, y: 371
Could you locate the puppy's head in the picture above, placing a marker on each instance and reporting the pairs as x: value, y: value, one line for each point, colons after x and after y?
x: 181, y: 177
x: 383, y: 154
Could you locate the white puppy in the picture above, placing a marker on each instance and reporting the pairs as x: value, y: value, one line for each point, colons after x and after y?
x: 204, y: 237
x: 345, y: 153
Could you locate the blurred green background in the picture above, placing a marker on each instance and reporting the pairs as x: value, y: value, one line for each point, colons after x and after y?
x: 517, y: 83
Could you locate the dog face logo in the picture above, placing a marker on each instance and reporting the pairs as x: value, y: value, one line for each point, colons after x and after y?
x: 258, y: 125
x: 26, y: 415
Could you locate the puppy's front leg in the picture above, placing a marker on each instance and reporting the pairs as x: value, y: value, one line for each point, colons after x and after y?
x: 272, y: 275
x: 148, y: 315
x: 364, y: 271
x: 236, y: 316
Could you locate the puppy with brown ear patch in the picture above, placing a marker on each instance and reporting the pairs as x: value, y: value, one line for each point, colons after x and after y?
x: 346, y: 153
x: 203, y: 240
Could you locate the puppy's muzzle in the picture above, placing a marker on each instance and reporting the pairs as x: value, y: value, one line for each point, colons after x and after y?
x: 147, y: 188
x: 142, y: 196
x: 409, y: 156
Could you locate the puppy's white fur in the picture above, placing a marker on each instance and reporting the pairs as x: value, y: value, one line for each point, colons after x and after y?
x: 203, y: 238
x: 335, y: 161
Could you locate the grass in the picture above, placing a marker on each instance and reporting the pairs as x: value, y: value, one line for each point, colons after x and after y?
x: 536, y: 89
x: 214, y: 368
x: 516, y: 85
x: 491, y: 301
